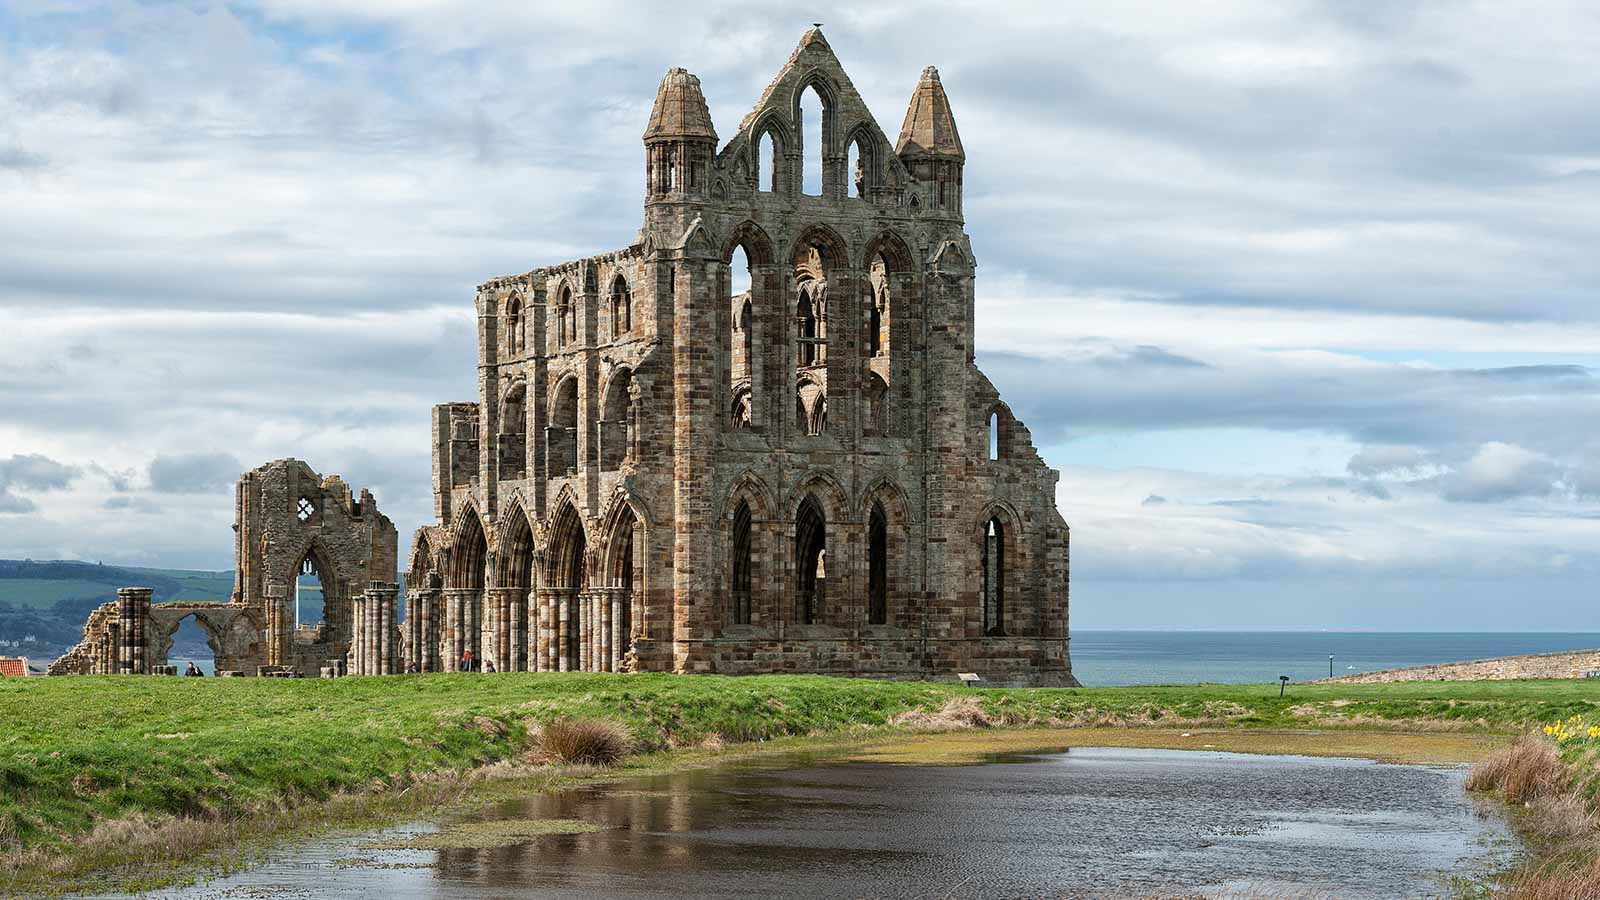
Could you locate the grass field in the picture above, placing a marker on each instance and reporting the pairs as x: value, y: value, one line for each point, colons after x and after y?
x: 142, y: 777
x: 78, y: 751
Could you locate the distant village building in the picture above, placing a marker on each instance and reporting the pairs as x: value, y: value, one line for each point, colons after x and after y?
x: 664, y: 472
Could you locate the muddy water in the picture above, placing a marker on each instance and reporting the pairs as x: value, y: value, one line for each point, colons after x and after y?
x: 1086, y: 821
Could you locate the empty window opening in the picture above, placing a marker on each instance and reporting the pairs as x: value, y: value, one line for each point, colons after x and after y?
x: 621, y: 307
x: 878, y: 314
x: 562, y: 442
x: 739, y: 271
x: 857, y: 169
x: 192, y: 643
x: 994, y: 578
x: 309, y: 606
x: 514, y: 327
x: 513, y: 432
x: 617, y: 430
x: 876, y: 394
x: 878, y: 567
x: 806, y: 328
x: 566, y: 319
x: 767, y: 164
x: 741, y: 564
x: 875, y: 326
x: 305, y: 509
x: 810, y: 547
x: 994, y: 435
x: 811, y: 130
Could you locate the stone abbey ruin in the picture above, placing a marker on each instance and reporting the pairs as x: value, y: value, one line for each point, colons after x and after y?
x: 665, y: 471
x: 288, y: 521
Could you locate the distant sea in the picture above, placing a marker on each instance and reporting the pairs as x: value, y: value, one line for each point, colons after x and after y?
x: 1108, y: 658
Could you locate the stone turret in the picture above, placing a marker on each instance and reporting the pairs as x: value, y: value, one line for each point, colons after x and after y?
x: 930, y: 145
x: 679, y: 141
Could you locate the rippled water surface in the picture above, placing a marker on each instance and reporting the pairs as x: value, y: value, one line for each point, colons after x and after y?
x: 1088, y: 821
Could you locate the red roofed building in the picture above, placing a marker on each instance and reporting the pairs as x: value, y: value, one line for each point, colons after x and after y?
x: 15, y: 666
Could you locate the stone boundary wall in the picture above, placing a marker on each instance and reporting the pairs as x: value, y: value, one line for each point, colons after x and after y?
x: 1566, y: 664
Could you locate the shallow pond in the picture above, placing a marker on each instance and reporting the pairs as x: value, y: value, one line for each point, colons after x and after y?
x: 1096, y: 821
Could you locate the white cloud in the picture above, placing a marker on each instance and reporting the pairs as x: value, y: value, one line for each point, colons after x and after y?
x: 1346, y: 247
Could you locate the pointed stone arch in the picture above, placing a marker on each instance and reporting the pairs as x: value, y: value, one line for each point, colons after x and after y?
x: 469, y: 556
x: 894, y: 249
x: 748, y: 564
x: 517, y: 548
x: 886, y: 511
x: 566, y: 550
x: 827, y: 487
x: 758, y: 247
x: 835, y: 249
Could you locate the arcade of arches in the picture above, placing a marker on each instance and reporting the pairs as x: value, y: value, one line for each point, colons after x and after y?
x: 754, y: 440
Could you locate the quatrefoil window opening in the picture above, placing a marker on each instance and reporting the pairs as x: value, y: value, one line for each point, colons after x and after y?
x: 305, y: 510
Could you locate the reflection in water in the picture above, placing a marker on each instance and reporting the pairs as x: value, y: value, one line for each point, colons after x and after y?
x: 1137, y: 822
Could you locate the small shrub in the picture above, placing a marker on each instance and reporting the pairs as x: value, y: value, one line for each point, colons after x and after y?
x: 588, y: 742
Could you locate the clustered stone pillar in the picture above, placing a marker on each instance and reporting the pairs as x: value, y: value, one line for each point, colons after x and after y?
x: 506, y: 611
x: 463, y: 625
x: 431, y: 622
x: 133, y: 617
x: 280, y: 629
x: 373, y: 645
x: 422, y: 629
x: 564, y: 623
x: 544, y: 649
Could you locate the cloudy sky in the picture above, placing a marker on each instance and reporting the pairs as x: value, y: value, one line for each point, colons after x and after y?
x: 1299, y: 297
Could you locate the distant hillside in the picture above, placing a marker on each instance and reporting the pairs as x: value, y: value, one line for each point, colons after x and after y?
x: 43, y: 604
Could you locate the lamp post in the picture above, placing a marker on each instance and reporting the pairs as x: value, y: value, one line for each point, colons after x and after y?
x: 1330, y: 665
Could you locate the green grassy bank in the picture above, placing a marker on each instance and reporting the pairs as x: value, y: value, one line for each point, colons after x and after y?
x: 78, y: 753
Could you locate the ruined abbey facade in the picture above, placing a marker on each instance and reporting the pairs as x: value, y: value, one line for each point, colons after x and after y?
x: 665, y: 470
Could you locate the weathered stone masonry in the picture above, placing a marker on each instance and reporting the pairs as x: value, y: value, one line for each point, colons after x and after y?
x: 662, y: 474
x: 287, y: 520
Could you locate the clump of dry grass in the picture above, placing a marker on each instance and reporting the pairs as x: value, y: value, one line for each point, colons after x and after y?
x: 1566, y: 880
x: 1525, y: 771
x: 957, y: 713
x: 588, y: 742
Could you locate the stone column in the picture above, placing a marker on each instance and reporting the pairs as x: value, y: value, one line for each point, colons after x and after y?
x: 563, y: 631
x: 140, y: 639
x: 503, y: 629
x: 358, y: 634
x: 604, y: 601
x: 452, y: 629
x: 125, y: 600
x: 587, y: 599
x: 474, y: 607
x: 618, y: 638
x: 544, y: 642
x: 526, y: 621
x: 382, y: 596
x: 428, y: 657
